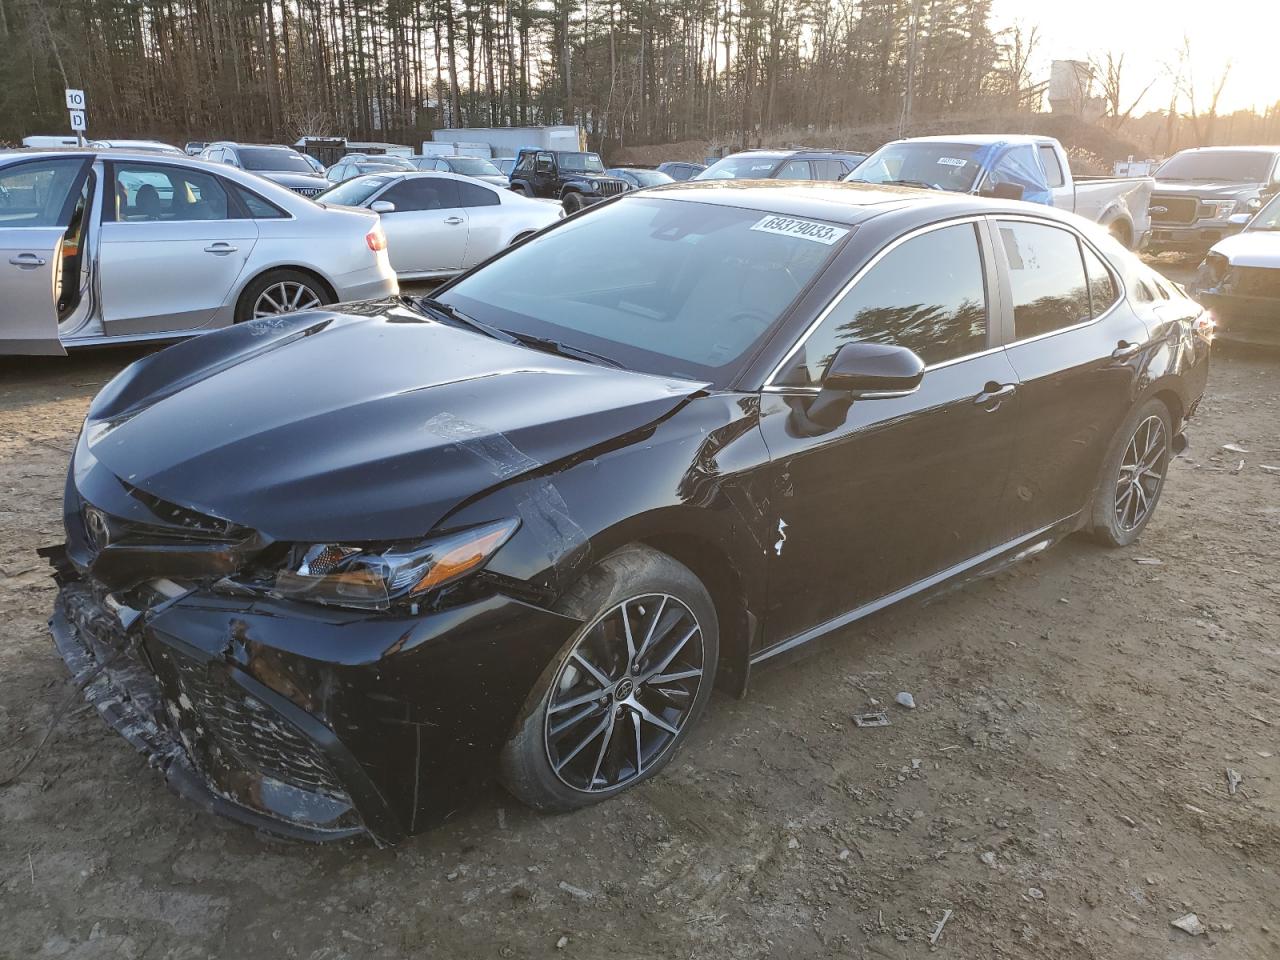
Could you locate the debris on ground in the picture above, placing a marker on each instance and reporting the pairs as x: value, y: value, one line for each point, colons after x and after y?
x: 562, y: 943
x: 1233, y: 781
x: 1035, y: 893
x: 871, y: 719
x: 1234, y: 448
x: 1189, y: 923
x: 1268, y: 468
x: 1149, y: 561
x: 1237, y: 468
x: 905, y: 699
x: 937, y: 928
x: 576, y: 892
x: 989, y: 858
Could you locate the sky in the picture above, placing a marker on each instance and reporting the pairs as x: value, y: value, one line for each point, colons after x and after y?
x: 1246, y: 32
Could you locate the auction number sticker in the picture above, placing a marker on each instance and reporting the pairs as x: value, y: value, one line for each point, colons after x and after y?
x: 804, y: 229
x: 952, y: 161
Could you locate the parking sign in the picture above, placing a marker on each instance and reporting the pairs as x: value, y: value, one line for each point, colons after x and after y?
x: 77, y: 120
x: 75, y: 99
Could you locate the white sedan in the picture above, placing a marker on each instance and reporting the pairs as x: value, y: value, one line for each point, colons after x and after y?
x: 439, y: 224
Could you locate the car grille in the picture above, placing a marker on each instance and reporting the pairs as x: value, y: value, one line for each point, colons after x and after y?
x: 611, y: 188
x: 308, y: 191
x: 255, y: 736
x: 1176, y: 209
x: 1256, y: 282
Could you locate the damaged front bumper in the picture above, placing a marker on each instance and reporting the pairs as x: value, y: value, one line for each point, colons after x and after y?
x: 303, y: 723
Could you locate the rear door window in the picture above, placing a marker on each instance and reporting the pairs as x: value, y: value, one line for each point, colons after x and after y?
x: 1046, y: 272
x: 794, y: 170
x: 149, y: 193
x: 1052, y: 168
x: 939, y: 312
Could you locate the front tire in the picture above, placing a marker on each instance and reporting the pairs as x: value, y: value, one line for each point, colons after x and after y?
x: 1133, y: 475
x: 572, y: 203
x: 278, y: 292
x: 621, y: 696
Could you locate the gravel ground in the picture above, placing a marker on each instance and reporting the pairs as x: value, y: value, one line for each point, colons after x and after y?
x: 1061, y: 788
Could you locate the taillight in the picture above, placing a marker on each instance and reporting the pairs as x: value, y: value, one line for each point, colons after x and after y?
x: 376, y: 239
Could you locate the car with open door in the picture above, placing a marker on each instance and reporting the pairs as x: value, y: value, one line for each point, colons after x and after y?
x: 439, y: 224
x: 101, y: 247
x: 523, y: 527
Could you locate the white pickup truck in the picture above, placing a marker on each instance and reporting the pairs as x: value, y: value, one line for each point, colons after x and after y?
x: 1017, y: 167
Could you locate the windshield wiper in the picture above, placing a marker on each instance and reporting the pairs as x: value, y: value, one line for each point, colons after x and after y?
x: 564, y: 349
x: 455, y: 316
x: 912, y: 183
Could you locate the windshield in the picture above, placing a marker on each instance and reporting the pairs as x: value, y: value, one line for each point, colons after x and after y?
x: 668, y: 287
x: 943, y: 166
x: 580, y: 162
x: 1268, y: 218
x: 273, y: 158
x: 354, y: 192
x: 1240, y: 166
x: 473, y: 167
x: 740, y: 168
x: 386, y: 160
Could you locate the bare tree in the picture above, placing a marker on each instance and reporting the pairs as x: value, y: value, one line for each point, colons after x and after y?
x: 1202, y: 124
x: 1109, y: 72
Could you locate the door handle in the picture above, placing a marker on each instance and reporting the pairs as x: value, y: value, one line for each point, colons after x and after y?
x: 220, y: 248
x: 453, y: 220
x: 993, y: 393
x: 27, y: 260
x: 1124, y: 350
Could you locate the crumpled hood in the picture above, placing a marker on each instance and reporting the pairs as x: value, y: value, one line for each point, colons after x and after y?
x: 1206, y: 189
x: 368, y: 424
x: 1251, y: 248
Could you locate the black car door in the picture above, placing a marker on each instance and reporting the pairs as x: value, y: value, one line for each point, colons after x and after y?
x: 1077, y: 345
x: 904, y: 488
x: 545, y: 182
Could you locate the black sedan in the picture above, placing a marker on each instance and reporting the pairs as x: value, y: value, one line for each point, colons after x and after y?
x: 331, y: 569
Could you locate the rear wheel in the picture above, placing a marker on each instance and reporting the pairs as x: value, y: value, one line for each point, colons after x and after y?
x: 615, y: 704
x: 1133, y: 475
x: 278, y: 292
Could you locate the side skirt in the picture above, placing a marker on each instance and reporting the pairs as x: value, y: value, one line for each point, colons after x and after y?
x: 983, y: 565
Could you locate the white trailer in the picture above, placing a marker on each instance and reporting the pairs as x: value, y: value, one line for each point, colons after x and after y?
x: 508, y: 141
x: 455, y: 148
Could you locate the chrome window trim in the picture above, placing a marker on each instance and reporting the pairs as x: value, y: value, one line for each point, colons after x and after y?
x: 771, y: 387
x: 1116, y: 280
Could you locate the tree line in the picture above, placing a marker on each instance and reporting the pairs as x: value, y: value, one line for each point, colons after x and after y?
x: 628, y: 71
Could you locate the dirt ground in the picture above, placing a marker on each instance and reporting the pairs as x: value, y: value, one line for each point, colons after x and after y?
x: 1060, y: 791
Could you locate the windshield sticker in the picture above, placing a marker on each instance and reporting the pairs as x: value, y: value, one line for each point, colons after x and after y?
x: 805, y: 229
x: 951, y: 161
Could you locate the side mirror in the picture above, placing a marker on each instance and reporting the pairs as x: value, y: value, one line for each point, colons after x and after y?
x: 873, y: 370
x: 1005, y: 191
x: 1239, y: 219
x: 382, y: 206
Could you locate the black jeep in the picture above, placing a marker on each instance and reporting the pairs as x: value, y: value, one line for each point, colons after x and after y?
x: 576, y: 179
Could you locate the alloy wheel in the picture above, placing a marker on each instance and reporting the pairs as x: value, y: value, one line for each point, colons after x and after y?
x: 286, y: 296
x: 1141, y: 473
x: 624, y: 692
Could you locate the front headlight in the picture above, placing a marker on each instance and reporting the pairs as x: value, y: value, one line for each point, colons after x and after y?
x: 351, y: 575
x: 595, y: 184
x: 1222, y: 208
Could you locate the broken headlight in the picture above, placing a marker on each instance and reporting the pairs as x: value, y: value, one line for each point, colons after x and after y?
x: 352, y: 575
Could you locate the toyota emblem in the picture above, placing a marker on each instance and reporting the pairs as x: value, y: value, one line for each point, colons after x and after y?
x: 96, y: 528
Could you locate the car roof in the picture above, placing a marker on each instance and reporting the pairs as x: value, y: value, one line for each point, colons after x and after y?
x: 980, y: 139
x: 846, y: 203
x: 1249, y: 148
x: 115, y: 153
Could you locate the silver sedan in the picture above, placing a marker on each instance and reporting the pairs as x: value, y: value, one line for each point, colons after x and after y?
x: 111, y: 246
x: 439, y: 224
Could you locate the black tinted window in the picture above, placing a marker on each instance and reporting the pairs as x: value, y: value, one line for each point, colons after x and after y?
x: 423, y: 193
x: 1047, y: 276
x: 1102, y: 288
x: 1052, y: 168
x: 258, y: 208
x: 926, y: 294
x: 471, y: 195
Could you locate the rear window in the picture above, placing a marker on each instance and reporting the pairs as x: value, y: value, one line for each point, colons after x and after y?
x: 354, y: 192
x: 275, y: 159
